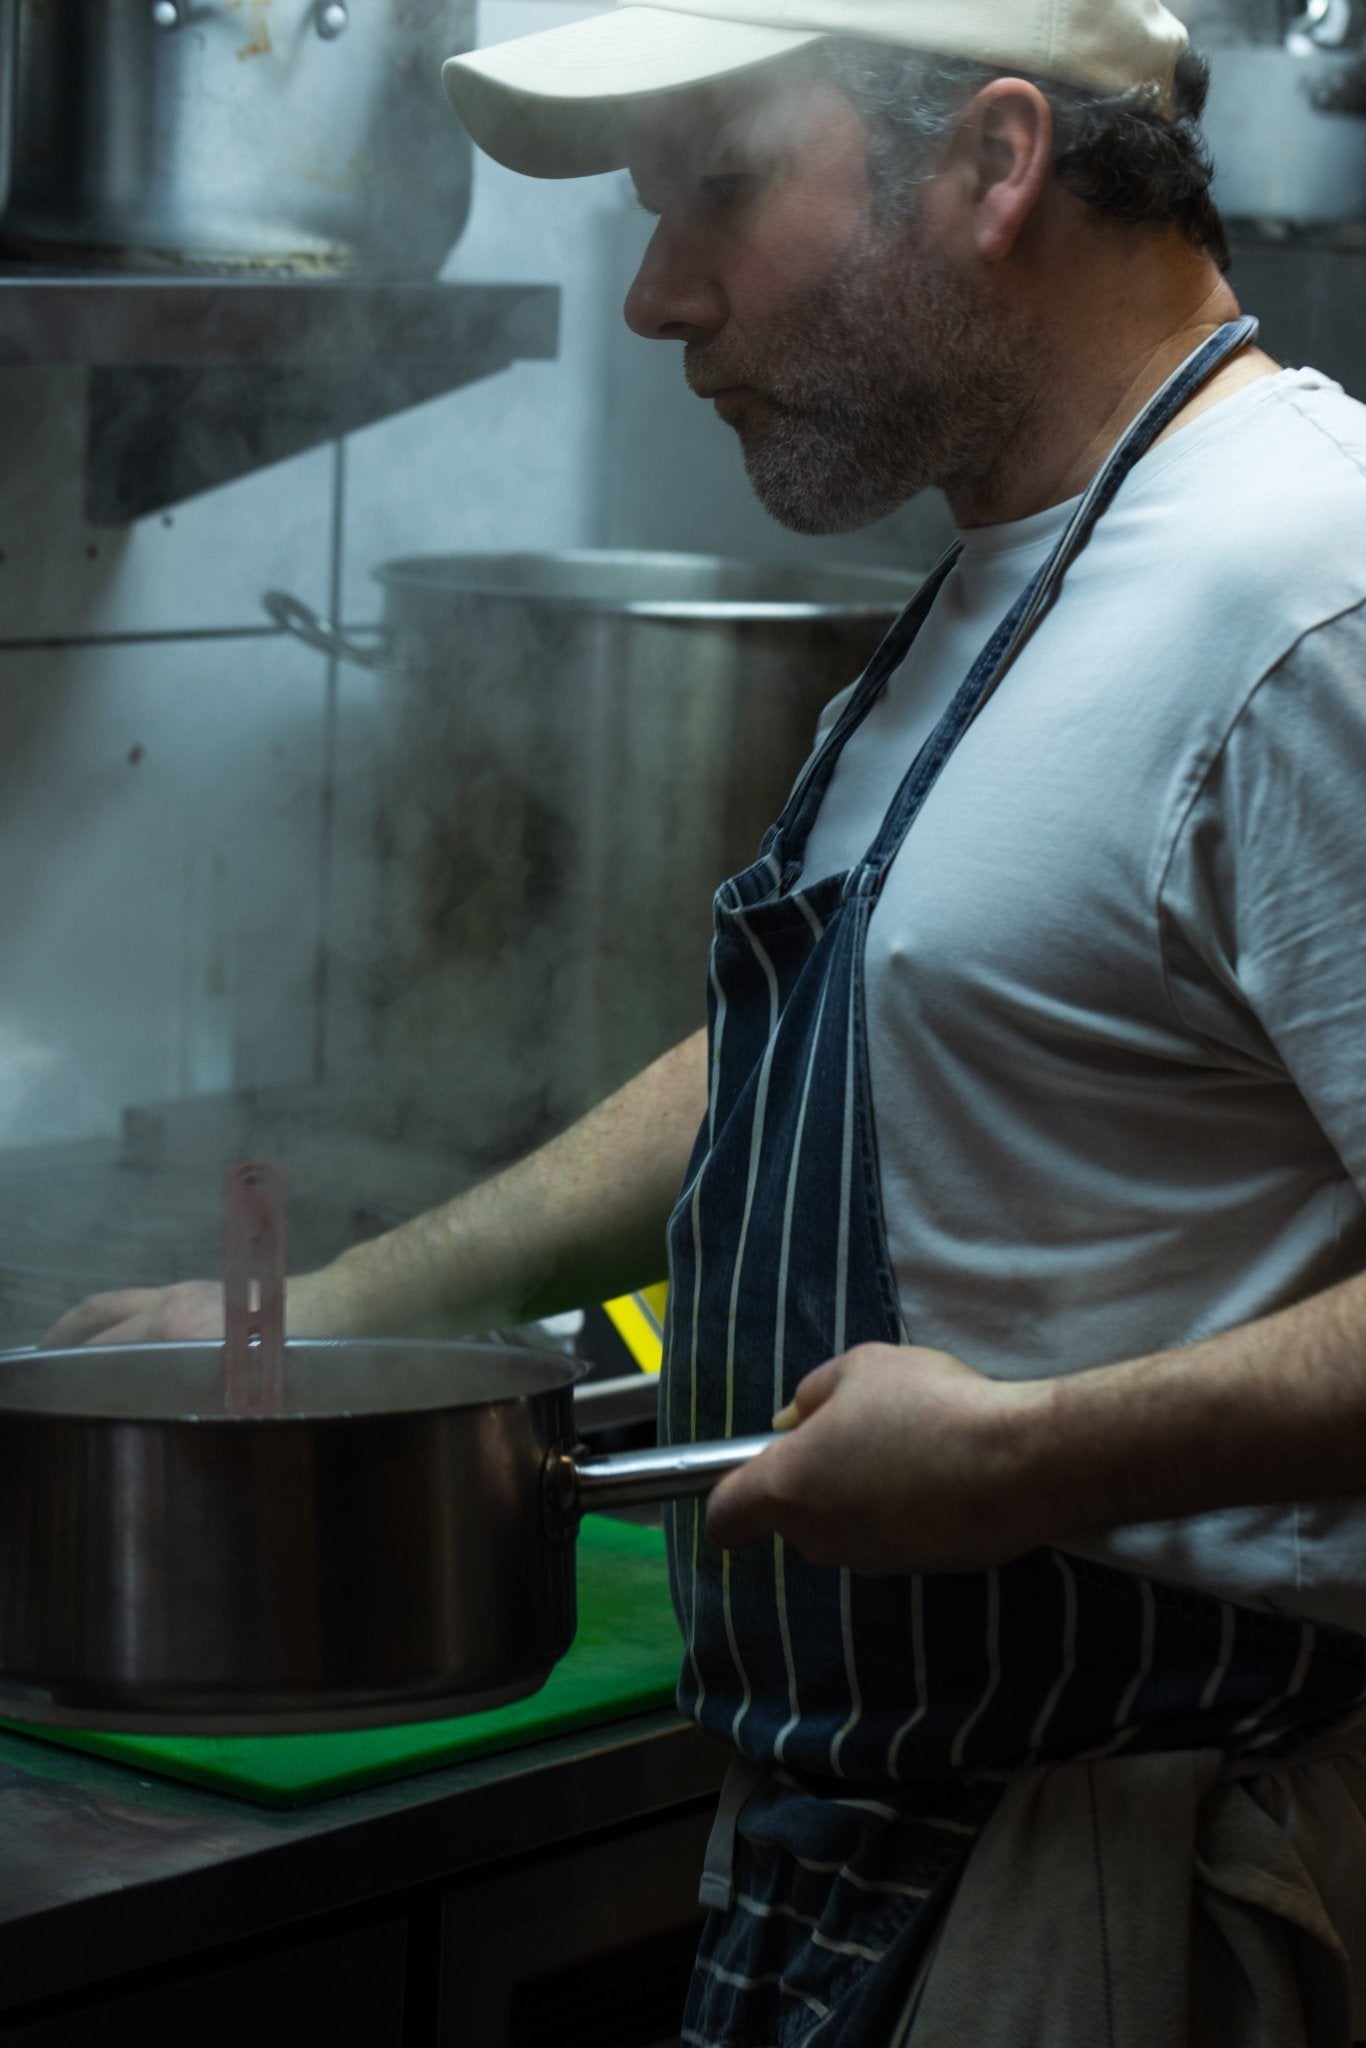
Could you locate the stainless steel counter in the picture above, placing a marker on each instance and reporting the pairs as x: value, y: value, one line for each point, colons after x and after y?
x: 105, y: 1873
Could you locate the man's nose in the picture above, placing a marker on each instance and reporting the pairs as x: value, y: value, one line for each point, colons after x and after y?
x: 675, y: 296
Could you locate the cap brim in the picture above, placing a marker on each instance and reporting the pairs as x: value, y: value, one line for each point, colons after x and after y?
x: 560, y: 104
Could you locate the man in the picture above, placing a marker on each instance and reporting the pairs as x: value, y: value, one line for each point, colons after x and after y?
x: 1028, y: 1183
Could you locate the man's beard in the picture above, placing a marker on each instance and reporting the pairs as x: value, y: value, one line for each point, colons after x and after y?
x: 891, y: 376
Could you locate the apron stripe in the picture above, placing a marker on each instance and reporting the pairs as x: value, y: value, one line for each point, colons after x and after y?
x: 740, y: 1982
x: 789, y: 1659
x: 1145, y: 1665
x: 789, y: 1208
x: 844, y: 1875
x: 881, y: 1809
x: 799, y: 898
x: 908, y: 1728
x: 718, y: 1032
x: 779, y: 1355
x: 1069, y: 1653
x: 1297, y: 1678
x: 694, y: 1509
x: 768, y: 1909
x: 1220, y: 1671
x: 840, y: 1305
x: 851, y: 1672
x: 960, y: 1740
x: 1126, y: 1730
x: 728, y: 1610
x: 756, y: 1155
x: 699, y: 1694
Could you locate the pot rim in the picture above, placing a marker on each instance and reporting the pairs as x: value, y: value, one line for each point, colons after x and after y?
x: 534, y: 1373
x: 873, y: 590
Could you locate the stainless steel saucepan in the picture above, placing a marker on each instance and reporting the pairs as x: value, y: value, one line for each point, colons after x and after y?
x: 395, y: 1544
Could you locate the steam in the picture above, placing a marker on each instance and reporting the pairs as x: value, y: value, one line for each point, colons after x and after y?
x: 28, y: 1067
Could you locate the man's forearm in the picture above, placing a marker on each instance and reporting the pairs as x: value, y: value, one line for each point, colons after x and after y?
x: 905, y: 1459
x: 1272, y: 1411
x: 578, y: 1221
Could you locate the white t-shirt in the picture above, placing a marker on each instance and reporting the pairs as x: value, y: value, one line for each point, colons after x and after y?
x: 1117, y: 979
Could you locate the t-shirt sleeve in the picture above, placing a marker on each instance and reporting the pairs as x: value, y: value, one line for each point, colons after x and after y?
x: 1263, y: 902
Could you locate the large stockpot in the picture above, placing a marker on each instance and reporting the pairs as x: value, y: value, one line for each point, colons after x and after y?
x: 396, y: 1544
x: 575, y: 749
x: 306, y: 135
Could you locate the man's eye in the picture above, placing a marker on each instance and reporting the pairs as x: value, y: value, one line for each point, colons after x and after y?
x: 726, y: 188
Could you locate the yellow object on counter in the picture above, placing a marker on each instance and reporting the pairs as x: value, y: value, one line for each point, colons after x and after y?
x: 638, y: 1320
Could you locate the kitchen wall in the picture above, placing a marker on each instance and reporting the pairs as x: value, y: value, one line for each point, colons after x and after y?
x: 189, y: 915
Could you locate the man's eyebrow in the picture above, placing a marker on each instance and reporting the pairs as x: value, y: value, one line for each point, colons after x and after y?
x: 665, y: 164
x: 725, y: 140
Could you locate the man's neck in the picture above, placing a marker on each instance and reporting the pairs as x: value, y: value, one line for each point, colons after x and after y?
x: 1105, y: 357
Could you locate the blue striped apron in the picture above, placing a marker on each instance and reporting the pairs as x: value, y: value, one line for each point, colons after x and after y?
x: 870, y: 1706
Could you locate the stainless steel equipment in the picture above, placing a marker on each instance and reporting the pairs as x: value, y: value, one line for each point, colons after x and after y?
x: 1288, y: 135
x: 396, y: 1545
x: 576, y: 749
x: 278, y: 134
x: 1286, y: 124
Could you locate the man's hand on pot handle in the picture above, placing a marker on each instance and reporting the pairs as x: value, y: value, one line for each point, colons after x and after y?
x: 896, y: 1459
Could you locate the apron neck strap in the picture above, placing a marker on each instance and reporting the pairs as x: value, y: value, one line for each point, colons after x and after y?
x: 1133, y: 444
x: 787, y: 841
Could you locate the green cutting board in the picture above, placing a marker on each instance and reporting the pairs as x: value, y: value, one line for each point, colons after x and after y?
x: 624, y: 1660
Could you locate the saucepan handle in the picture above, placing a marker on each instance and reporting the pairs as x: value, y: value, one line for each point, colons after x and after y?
x: 576, y: 1485
x: 305, y: 624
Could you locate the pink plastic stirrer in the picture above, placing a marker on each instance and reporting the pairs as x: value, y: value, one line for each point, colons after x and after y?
x: 254, y: 1252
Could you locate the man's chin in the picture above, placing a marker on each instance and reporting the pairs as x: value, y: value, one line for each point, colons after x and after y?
x: 794, y: 502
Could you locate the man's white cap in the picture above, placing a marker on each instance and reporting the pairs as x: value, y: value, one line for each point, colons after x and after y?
x: 560, y: 104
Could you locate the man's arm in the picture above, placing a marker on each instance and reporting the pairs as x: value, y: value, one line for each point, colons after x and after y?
x: 579, y: 1221
x: 908, y: 1460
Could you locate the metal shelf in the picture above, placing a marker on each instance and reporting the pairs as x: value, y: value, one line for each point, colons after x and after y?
x: 194, y: 381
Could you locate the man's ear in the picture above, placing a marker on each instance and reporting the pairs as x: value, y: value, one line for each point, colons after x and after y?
x: 1002, y: 154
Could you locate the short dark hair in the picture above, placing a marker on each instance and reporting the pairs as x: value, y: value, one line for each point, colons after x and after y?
x: 1117, y: 151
